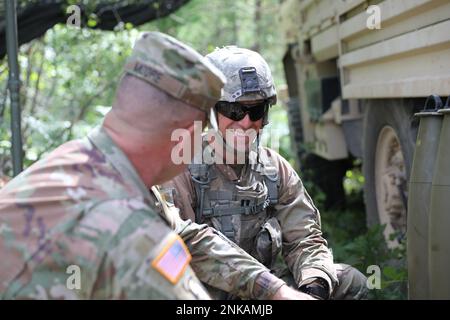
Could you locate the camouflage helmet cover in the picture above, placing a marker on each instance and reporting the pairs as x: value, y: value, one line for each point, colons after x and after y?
x: 231, y: 60
x: 177, y: 69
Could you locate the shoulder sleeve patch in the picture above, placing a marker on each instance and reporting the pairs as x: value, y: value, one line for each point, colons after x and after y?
x: 173, y: 259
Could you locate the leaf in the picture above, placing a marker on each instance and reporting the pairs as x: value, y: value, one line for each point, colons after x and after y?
x: 390, y: 273
x: 91, y: 23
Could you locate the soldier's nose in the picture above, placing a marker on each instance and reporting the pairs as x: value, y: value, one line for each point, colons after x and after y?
x: 246, y: 123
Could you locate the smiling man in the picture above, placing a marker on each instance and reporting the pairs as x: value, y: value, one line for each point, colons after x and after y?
x: 86, y: 208
x: 251, y: 194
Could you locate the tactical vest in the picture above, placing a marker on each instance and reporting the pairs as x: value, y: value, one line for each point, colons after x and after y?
x: 241, y: 209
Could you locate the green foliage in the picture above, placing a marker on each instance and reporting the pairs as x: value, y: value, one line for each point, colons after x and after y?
x: 354, y: 179
x: 365, y: 250
x: 64, y: 76
x: 70, y: 74
x: 353, y: 243
x: 209, y: 24
x: 69, y: 78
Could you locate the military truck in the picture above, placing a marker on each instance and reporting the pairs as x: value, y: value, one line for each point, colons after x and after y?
x: 357, y: 71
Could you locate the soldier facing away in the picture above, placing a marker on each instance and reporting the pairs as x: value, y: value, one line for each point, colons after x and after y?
x: 260, y: 203
x: 87, y: 207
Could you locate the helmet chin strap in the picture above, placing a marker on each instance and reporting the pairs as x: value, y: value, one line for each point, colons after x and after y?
x: 215, y: 126
x: 213, y: 120
x: 265, y: 119
x: 257, y: 147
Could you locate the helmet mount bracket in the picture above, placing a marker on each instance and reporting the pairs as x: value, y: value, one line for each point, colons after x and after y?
x: 249, y: 80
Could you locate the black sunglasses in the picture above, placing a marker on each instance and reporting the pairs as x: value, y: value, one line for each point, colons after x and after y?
x: 236, y: 111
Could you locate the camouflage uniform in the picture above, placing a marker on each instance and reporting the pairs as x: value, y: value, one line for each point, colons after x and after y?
x: 290, y: 225
x: 86, y: 206
x: 262, y: 205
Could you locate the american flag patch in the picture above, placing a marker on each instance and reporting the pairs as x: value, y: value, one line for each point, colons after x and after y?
x: 173, y: 259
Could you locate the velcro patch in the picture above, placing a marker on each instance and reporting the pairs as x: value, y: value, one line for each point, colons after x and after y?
x: 173, y: 259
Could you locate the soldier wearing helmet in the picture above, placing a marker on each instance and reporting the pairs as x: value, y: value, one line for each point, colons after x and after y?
x: 259, y: 203
x: 85, y: 211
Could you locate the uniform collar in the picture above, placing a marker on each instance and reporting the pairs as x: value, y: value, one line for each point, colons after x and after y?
x: 100, y: 138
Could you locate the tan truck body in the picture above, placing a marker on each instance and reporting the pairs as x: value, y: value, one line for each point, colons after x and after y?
x: 409, y: 56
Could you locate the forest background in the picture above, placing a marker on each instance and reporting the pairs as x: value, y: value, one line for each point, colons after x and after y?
x: 68, y: 82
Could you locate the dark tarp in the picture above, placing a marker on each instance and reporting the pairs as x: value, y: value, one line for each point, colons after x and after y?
x: 35, y: 17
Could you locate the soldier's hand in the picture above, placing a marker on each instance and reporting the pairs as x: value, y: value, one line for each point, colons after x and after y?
x: 287, y: 293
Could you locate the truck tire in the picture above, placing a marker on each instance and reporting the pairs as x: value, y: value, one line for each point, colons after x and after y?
x: 388, y: 147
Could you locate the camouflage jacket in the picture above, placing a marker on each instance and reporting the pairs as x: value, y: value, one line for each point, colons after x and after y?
x: 290, y: 226
x: 84, y: 209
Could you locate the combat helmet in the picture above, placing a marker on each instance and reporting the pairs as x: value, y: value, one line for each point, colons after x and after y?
x: 248, y: 75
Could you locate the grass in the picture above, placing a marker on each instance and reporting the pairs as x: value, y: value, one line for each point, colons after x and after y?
x: 352, y: 242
